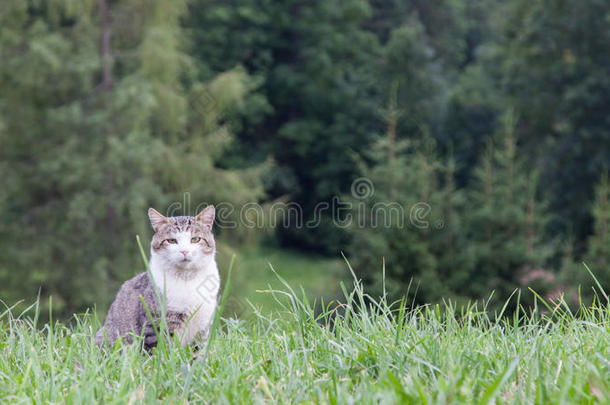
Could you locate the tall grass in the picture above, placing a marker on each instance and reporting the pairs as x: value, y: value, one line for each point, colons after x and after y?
x: 359, y: 349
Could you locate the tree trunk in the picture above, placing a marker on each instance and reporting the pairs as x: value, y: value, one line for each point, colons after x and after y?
x: 105, y: 48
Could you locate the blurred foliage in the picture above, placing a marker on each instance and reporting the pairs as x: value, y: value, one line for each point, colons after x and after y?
x: 86, y: 157
x: 492, y: 114
x: 317, y: 69
x: 554, y: 59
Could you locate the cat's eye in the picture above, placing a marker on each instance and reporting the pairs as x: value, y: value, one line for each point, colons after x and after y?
x: 196, y: 239
x: 172, y: 241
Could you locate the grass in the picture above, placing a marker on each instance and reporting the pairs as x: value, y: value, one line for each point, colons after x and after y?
x: 252, y: 275
x: 358, y: 350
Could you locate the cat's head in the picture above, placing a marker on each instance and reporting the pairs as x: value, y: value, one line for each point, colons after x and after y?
x: 183, y: 242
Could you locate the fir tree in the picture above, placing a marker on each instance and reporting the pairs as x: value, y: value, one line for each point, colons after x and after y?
x: 411, y: 221
x: 598, y: 254
x: 102, y: 119
x: 505, y: 219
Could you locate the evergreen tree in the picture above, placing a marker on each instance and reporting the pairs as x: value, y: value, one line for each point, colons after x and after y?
x: 404, y: 181
x: 598, y: 254
x: 550, y: 61
x: 102, y: 119
x: 316, y: 65
x: 408, y: 74
x: 445, y: 24
x: 576, y: 281
x: 449, y: 243
x: 50, y: 66
x: 505, y: 219
x: 412, y: 220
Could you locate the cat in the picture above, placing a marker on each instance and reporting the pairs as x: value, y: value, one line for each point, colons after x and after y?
x: 184, y: 272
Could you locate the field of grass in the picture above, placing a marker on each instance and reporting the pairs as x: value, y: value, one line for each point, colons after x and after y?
x: 253, y: 273
x: 356, y: 351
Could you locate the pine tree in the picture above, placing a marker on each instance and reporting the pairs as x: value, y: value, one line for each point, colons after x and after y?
x: 407, y: 169
x: 449, y: 243
x: 102, y: 119
x: 598, y: 252
x: 554, y: 72
x: 424, y: 250
x: 316, y: 67
x: 505, y: 219
x: 50, y: 66
x: 382, y: 228
x: 410, y: 220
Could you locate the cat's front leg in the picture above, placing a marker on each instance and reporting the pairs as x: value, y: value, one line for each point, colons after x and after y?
x: 149, y: 332
x: 200, y: 342
x: 175, y: 323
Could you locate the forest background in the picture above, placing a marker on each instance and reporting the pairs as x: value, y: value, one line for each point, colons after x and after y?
x: 480, y: 127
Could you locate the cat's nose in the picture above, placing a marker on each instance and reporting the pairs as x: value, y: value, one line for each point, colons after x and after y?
x: 184, y: 252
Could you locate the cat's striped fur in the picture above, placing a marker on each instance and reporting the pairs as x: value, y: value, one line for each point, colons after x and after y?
x: 183, y: 268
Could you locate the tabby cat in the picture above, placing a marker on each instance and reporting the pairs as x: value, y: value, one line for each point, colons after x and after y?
x: 184, y: 272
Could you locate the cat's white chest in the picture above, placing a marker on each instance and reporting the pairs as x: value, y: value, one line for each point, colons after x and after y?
x: 196, y: 297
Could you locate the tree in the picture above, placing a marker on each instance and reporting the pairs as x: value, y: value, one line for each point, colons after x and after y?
x: 505, y: 219
x: 409, y: 217
x: 577, y: 283
x: 551, y: 60
x: 407, y: 170
x: 98, y: 128
x: 598, y: 253
x: 384, y: 228
x: 315, y: 63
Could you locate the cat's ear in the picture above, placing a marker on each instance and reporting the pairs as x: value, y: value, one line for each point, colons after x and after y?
x: 206, y: 216
x: 156, y: 219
